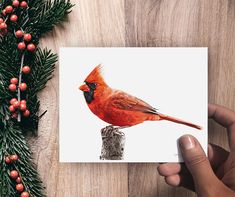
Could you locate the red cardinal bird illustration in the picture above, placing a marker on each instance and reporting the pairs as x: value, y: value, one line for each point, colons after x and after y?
x: 119, y: 108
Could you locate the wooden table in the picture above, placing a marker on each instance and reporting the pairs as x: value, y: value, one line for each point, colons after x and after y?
x: 136, y: 23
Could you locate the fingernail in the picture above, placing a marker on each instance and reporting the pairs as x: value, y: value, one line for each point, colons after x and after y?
x: 186, y: 142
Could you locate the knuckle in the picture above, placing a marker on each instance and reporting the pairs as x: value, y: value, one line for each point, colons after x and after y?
x: 197, y: 160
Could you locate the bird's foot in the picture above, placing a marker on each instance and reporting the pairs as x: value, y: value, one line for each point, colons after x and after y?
x: 110, y: 131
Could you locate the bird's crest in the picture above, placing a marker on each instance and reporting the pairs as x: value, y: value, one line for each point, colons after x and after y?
x: 96, y: 75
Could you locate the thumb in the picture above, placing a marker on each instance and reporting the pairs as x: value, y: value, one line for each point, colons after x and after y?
x: 197, y: 164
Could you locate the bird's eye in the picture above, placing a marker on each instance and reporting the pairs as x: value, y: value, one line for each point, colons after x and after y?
x: 91, y: 85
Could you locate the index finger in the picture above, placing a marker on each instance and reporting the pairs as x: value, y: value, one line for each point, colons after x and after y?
x: 226, y: 118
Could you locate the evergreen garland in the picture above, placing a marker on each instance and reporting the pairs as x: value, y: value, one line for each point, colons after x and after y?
x: 18, y: 174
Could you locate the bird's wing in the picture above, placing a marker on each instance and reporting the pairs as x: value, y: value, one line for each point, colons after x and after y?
x: 122, y: 100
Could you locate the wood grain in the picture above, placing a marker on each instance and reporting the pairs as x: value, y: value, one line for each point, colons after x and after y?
x: 136, y: 23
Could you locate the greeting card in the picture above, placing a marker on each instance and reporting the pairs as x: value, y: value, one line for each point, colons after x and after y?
x: 131, y: 104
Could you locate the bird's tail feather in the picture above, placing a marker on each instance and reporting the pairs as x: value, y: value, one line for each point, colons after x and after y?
x: 176, y: 120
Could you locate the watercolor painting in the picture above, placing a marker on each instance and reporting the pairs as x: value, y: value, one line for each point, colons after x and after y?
x: 118, y: 112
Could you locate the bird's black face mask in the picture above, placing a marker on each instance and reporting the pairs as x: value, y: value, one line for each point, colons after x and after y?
x: 89, y: 96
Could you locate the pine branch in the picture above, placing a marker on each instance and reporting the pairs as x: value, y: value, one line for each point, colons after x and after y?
x: 9, y: 57
x: 42, y: 70
x: 13, y: 142
x: 37, y: 18
x: 51, y: 13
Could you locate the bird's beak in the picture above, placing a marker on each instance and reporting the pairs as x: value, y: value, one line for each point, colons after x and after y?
x: 84, y: 88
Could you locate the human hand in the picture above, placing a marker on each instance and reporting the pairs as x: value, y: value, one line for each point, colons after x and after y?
x: 208, y: 177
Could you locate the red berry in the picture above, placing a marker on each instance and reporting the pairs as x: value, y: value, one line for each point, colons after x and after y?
x: 13, y: 100
x: 7, y: 160
x: 16, y: 104
x: 13, y: 18
x: 24, y: 194
x: 14, y: 174
x: 1, y: 20
x: 14, y: 80
x: 23, y: 102
x: 11, y: 108
x: 12, y: 87
x: 23, y: 4
x: 26, y: 113
x: 18, y: 180
x: 3, y: 25
x: 23, y: 107
x: 31, y: 47
x: 20, y: 187
x: 4, y: 11
x: 14, y: 157
x: 9, y: 9
x: 19, y: 34
x: 27, y: 37
x: 21, y: 46
x: 14, y: 115
x: 15, y: 3
x: 26, y: 69
x: 23, y: 86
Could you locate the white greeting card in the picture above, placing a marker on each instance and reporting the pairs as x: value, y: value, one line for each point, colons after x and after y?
x: 169, y: 81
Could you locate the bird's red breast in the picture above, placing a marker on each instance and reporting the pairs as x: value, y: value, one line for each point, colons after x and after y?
x: 117, y: 107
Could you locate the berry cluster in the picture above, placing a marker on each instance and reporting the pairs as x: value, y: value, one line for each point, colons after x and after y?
x: 14, y: 83
x: 17, y: 106
x: 14, y: 174
x: 26, y: 39
x: 9, y: 12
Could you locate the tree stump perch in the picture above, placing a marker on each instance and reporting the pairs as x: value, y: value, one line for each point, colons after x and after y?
x: 113, y: 142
